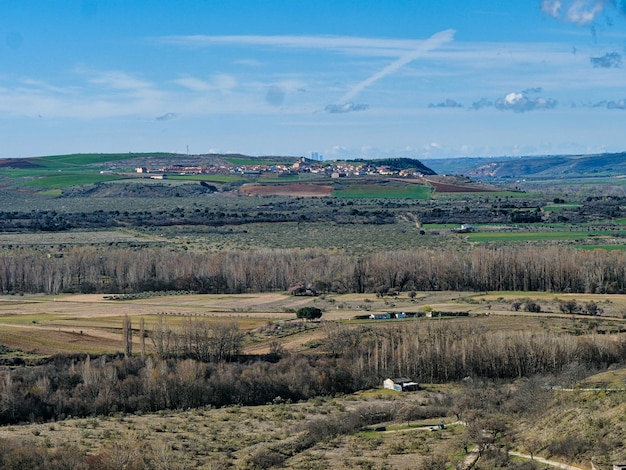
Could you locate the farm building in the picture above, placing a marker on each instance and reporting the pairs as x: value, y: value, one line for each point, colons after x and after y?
x: 380, y: 316
x: 465, y: 228
x: 401, y: 384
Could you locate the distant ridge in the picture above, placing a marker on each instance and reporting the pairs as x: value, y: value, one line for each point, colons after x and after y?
x: 548, y: 166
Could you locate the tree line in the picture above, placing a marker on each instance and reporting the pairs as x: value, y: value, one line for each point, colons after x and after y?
x: 111, y: 270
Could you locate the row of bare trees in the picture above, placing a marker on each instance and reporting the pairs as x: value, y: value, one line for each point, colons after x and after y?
x: 198, y: 339
x: 96, y: 270
x: 357, y: 358
x: 442, y: 352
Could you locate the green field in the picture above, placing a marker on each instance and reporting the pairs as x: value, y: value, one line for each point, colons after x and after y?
x: 529, y: 236
x: 65, y: 180
x: 60, y: 161
x: 375, y: 191
x: 207, y: 178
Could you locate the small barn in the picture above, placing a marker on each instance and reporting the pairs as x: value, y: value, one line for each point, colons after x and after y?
x: 401, y: 384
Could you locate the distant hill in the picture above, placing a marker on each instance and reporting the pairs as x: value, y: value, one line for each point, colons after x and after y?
x: 156, y: 159
x: 397, y: 164
x: 550, y: 166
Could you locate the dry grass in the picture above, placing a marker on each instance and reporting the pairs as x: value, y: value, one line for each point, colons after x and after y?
x: 92, y: 323
x: 201, y: 437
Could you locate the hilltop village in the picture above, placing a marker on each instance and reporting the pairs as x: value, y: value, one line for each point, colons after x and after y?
x: 336, y: 169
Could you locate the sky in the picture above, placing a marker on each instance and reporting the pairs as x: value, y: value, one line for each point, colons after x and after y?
x: 344, y: 78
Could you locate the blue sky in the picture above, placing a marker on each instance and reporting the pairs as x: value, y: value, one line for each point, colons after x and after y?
x: 345, y: 78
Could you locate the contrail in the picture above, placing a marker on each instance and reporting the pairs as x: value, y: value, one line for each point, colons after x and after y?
x: 429, y: 44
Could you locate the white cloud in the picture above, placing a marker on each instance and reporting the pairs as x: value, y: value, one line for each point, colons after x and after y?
x: 580, y: 12
x: 583, y: 12
x: 522, y: 102
x: 551, y: 7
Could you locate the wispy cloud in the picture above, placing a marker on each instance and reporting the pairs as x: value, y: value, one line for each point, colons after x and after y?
x: 220, y: 82
x: 118, y: 80
x: 522, y: 102
x: 518, y: 102
x: 448, y: 103
x: 433, y: 42
x: 343, y: 44
x: 166, y: 117
x: 607, y: 61
x: 345, y: 107
x: 482, y: 103
x: 194, y: 84
x: 619, y: 104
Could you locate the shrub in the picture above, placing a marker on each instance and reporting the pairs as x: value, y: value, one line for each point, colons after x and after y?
x: 309, y: 313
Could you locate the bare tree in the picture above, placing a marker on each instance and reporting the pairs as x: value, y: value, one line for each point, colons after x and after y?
x: 127, y: 332
x: 142, y: 333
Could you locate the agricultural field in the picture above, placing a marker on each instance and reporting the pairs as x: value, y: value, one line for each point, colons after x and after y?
x: 379, y: 191
x: 44, y: 325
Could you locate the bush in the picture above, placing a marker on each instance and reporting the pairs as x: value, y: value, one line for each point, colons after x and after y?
x: 309, y: 313
x: 531, y: 306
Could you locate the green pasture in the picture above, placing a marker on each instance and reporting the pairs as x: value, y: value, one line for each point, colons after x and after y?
x: 376, y: 191
x: 26, y: 319
x: 65, y: 180
x: 79, y: 159
x: 491, y: 196
x: 528, y: 236
x: 26, y: 173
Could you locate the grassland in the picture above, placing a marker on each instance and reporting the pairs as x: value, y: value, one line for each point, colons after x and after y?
x: 66, y: 180
x: 383, y: 191
x: 81, y: 159
x: 532, y: 236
